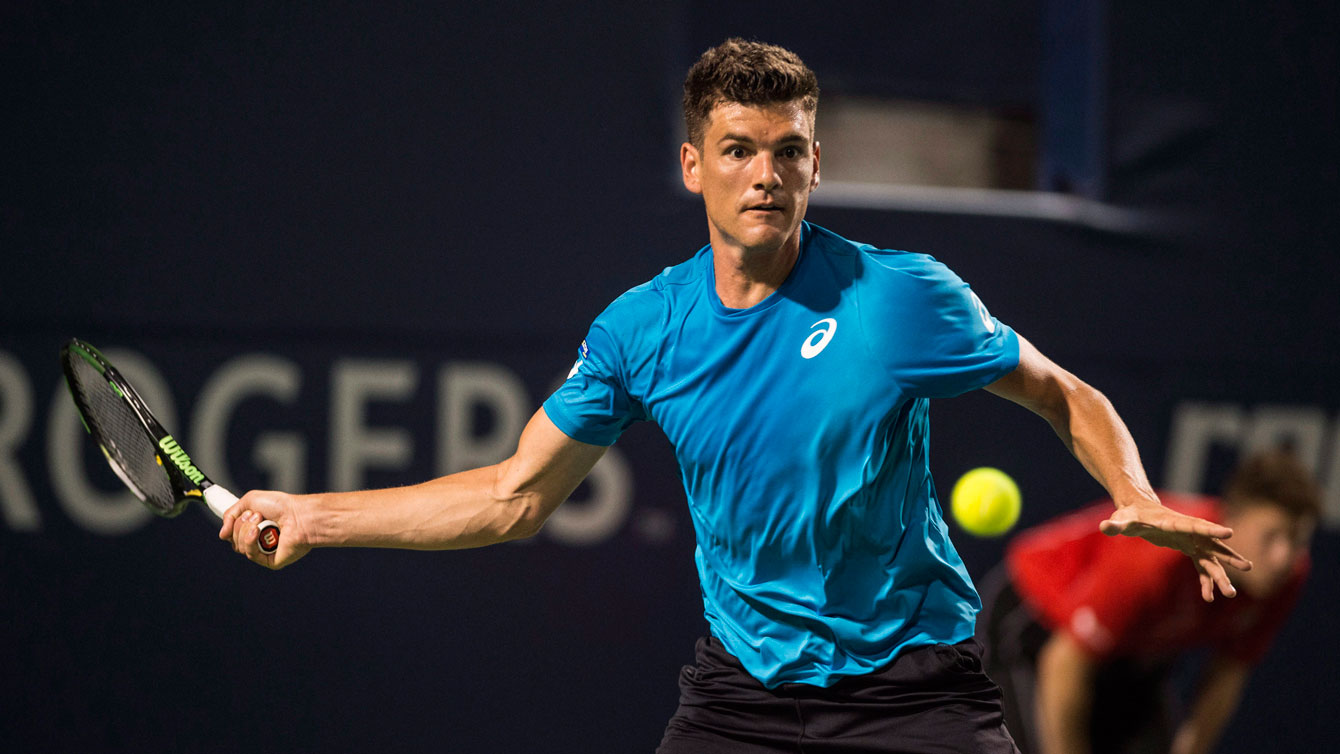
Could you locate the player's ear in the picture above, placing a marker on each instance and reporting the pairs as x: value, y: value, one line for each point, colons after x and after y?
x: 690, y: 161
x: 814, y: 179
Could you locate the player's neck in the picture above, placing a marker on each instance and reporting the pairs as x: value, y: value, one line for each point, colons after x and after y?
x: 745, y: 276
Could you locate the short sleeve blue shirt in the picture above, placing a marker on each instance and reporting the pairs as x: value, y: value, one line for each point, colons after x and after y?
x: 801, y: 431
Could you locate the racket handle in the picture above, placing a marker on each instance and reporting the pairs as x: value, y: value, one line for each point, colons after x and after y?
x: 269, y: 539
x: 220, y: 500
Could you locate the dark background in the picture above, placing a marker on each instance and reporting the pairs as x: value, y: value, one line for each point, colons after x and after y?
x: 438, y: 184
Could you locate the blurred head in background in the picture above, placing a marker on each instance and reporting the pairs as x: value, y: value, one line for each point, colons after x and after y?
x: 1272, y: 503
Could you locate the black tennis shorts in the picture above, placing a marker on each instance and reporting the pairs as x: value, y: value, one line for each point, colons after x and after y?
x: 928, y: 700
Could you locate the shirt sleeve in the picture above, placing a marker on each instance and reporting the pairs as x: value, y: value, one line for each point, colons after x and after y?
x: 942, y: 340
x: 593, y: 404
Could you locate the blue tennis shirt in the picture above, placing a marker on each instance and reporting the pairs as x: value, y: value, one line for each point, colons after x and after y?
x: 801, y: 430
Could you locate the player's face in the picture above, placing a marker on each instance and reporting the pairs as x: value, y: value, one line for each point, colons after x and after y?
x: 1273, y: 540
x: 755, y: 171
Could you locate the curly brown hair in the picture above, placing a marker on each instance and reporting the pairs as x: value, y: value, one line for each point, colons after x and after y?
x: 1276, y: 477
x: 747, y: 72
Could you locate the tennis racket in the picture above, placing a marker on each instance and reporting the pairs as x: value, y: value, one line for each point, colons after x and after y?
x: 137, y: 447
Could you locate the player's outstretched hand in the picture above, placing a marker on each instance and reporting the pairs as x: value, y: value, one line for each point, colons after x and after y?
x: 241, y: 527
x: 1198, y: 539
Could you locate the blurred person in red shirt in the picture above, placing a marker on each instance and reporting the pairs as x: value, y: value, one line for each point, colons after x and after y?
x: 1083, y: 631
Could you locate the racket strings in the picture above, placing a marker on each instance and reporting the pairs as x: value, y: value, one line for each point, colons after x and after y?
x: 125, y: 442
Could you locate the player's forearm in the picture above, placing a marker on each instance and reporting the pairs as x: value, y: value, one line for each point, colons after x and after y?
x: 468, y: 509
x: 1083, y: 418
x: 497, y: 503
x: 1089, y: 425
x: 1220, y: 691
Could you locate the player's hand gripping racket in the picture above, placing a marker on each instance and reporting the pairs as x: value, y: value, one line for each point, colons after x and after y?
x: 136, y: 445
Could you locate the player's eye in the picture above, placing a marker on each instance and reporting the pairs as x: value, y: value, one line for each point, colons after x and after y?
x: 736, y: 152
x: 791, y: 153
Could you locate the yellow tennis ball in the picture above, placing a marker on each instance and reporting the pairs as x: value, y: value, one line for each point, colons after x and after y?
x: 985, y: 502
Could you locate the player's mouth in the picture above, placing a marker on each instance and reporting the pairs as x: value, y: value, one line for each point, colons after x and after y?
x: 764, y: 208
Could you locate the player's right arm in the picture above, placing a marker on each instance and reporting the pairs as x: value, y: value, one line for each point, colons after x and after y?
x: 505, y: 501
x: 1089, y: 426
x: 1063, y: 700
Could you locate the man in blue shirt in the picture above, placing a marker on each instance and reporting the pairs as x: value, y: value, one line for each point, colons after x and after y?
x: 791, y: 370
x: 800, y: 427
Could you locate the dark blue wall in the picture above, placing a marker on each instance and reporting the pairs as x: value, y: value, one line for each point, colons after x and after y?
x: 320, y: 194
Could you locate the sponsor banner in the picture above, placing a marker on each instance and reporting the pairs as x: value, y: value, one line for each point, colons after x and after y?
x: 595, y: 613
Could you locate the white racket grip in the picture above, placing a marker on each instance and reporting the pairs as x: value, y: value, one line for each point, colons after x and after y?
x: 220, y: 500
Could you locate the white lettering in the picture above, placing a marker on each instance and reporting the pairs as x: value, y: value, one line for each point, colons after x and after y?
x: 482, y: 408
x: 600, y: 516
x: 282, y: 454
x: 1199, y: 427
x: 1196, y: 428
x: 354, y: 447
x: 16, y: 418
x: 464, y: 386
x: 1302, y: 428
x: 1330, y: 476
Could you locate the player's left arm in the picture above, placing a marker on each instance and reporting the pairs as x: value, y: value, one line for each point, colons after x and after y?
x: 1090, y: 427
x: 1221, y: 687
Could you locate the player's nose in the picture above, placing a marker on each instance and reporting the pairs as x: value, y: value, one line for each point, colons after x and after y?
x: 766, y: 177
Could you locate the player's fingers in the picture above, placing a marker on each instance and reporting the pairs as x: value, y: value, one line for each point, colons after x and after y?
x: 253, y: 539
x: 1209, y: 529
x: 1206, y: 587
x: 251, y: 542
x: 1225, y: 554
x: 245, y: 532
x: 229, y: 518
x: 238, y: 534
x: 1220, y: 578
x: 1176, y: 522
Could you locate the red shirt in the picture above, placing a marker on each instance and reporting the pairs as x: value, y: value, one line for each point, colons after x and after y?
x: 1123, y: 597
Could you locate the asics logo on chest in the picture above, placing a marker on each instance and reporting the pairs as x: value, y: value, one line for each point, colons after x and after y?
x: 818, y: 339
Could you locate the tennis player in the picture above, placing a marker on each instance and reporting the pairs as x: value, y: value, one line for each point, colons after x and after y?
x: 791, y: 369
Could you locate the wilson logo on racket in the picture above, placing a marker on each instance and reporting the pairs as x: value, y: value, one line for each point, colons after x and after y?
x: 180, y: 459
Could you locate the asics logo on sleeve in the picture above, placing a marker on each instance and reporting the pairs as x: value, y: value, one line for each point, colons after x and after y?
x: 983, y: 314
x: 583, y: 352
x: 818, y: 340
